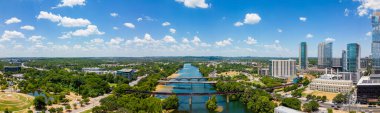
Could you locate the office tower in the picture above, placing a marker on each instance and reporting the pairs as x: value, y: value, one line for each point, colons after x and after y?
x: 283, y: 68
x: 353, y: 57
x: 303, y: 61
x: 376, y: 43
x: 325, y: 55
x: 344, y: 60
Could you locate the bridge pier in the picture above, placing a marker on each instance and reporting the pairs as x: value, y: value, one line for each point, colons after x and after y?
x: 190, y: 100
x: 228, y: 99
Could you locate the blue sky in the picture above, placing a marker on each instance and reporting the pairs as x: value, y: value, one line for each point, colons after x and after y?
x: 81, y: 28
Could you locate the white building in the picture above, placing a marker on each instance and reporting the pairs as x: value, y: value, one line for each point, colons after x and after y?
x: 97, y: 70
x: 283, y: 109
x: 331, y: 83
x: 283, y: 68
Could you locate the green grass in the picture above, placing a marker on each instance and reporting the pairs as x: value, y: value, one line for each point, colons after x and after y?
x: 112, y: 84
x: 87, y: 111
x: 16, y: 103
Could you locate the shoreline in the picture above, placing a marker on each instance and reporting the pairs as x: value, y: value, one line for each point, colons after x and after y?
x: 165, y: 88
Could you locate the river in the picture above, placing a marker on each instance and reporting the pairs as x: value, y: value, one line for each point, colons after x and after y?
x: 198, y: 102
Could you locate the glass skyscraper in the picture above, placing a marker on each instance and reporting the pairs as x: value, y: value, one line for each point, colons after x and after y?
x: 353, y: 57
x: 344, y: 60
x: 325, y: 54
x: 303, y: 61
x: 376, y: 43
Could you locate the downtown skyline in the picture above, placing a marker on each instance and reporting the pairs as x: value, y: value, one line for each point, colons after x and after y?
x: 80, y: 28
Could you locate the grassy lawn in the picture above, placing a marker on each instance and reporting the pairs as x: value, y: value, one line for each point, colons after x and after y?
x: 112, y: 84
x: 15, y: 101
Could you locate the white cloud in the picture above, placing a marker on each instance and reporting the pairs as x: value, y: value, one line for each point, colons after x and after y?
x: 115, y: 28
x: 250, y: 41
x: 166, y: 24
x: 309, y: 35
x: 276, y: 46
x: 346, y: 12
x: 185, y: 40
x: 8, y: 35
x: 114, y: 14
x: 27, y: 27
x: 71, y: 3
x: 303, y: 19
x: 369, y: 34
x: 18, y: 46
x: 169, y: 39
x: 64, y: 21
x: 139, y: 19
x: 194, y: 3
x: 279, y: 30
x: 115, y: 42
x: 196, y: 40
x: 129, y: 25
x: 172, y: 30
x: 36, y: 39
x: 238, y: 24
x: 252, y: 18
x: 367, y: 5
x: 70, y: 22
x: 148, y: 40
x: 224, y: 42
x: 12, y: 20
x: 97, y: 41
x: 328, y: 39
x: 90, y: 30
x: 50, y: 16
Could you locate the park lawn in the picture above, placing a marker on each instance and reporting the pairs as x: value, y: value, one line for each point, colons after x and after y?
x: 330, y: 95
x: 87, y: 111
x: 15, y: 101
x: 112, y: 84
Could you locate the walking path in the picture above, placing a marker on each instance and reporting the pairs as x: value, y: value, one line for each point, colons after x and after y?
x: 133, y: 83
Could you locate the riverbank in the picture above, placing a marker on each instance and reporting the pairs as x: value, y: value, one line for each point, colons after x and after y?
x: 165, y: 88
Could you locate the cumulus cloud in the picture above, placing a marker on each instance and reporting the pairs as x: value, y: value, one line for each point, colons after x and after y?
x: 279, y: 30
x: 346, y: 12
x: 129, y: 25
x: 71, y: 3
x: 12, y: 20
x: 90, y: 30
x: 303, y: 19
x: 166, y: 24
x: 114, y: 14
x: 27, y: 27
x: 185, y: 40
x: 224, y: 42
x: 238, y: 24
x: 115, y: 28
x: 196, y: 40
x: 250, y: 41
x: 367, y: 5
x: 309, y: 35
x: 252, y: 18
x: 36, y: 39
x: 97, y: 41
x: 64, y: 21
x: 276, y: 46
x: 115, y: 42
x: 147, y: 40
x: 169, y: 39
x: 9, y: 35
x: 328, y: 39
x: 194, y: 3
x: 139, y: 19
x: 172, y: 30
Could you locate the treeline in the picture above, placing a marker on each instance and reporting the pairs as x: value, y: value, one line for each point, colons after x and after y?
x: 123, y: 102
x: 271, y: 81
x: 203, y: 68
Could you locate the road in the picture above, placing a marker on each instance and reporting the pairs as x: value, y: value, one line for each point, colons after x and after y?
x: 93, y: 102
x: 357, y: 107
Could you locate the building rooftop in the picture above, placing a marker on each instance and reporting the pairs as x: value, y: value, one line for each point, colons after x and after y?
x: 284, y: 109
x: 126, y: 70
x: 373, y: 79
x: 18, y: 75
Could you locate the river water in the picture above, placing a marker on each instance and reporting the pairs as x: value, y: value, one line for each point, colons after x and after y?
x: 198, y: 102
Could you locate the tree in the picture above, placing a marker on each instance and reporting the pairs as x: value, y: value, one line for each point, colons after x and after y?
x: 309, y: 97
x: 305, y: 82
x: 86, y: 100
x: 311, y: 106
x: 68, y: 107
x: 170, y: 103
x: 99, y: 109
x: 340, y: 98
x: 39, y: 103
x: 293, y: 103
x: 59, y: 110
x: 324, y: 99
x: 211, y: 104
x: 52, y: 110
x: 329, y: 110
x: 261, y: 105
x: 75, y: 106
x: 7, y: 110
x: 81, y: 103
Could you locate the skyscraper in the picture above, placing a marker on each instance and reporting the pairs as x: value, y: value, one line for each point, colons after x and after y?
x: 344, y: 60
x: 325, y: 55
x: 376, y: 43
x: 353, y: 57
x: 303, y: 61
x: 283, y: 68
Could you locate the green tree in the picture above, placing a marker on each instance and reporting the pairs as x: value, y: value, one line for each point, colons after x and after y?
x: 293, y: 103
x: 211, y: 104
x: 324, y: 99
x: 68, y: 107
x: 86, y: 100
x: 261, y: 105
x: 329, y: 110
x: 172, y: 102
x: 39, y: 103
x: 311, y: 106
x: 340, y: 98
x: 99, y: 109
x: 7, y: 110
x: 309, y: 97
x: 52, y: 110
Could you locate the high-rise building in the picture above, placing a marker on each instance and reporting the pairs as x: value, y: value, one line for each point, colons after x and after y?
x: 344, y: 60
x: 376, y: 43
x: 353, y: 57
x: 283, y: 68
x: 303, y: 61
x: 325, y: 54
